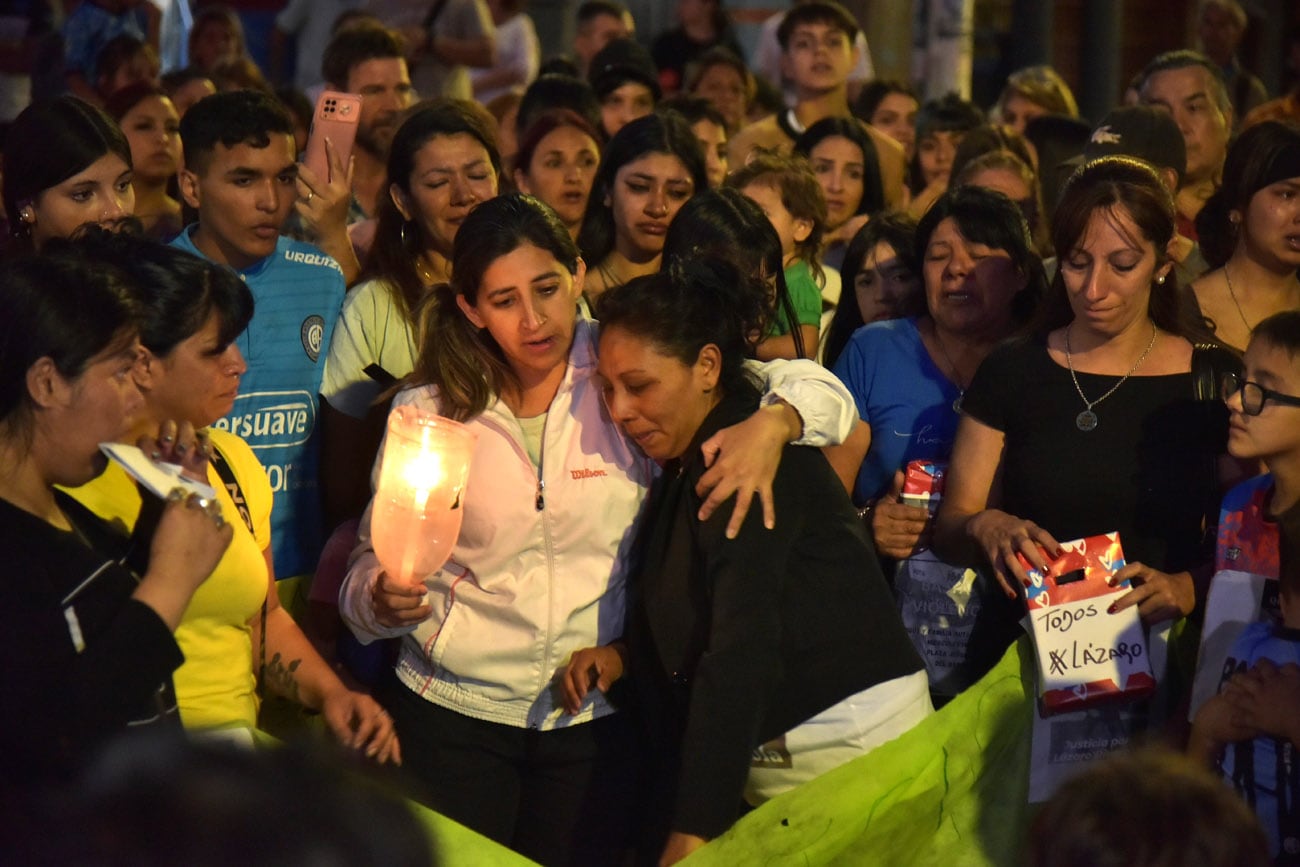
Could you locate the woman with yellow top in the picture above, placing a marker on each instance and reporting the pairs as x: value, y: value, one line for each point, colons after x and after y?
x: 192, y: 312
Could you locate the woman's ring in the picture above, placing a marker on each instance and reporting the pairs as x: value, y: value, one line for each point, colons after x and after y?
x: 310, y: 193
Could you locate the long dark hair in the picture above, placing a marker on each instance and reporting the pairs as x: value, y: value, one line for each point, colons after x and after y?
x: 898, y: 231
x: 462, y: 362
x: 63, y: 305
x: 176, y: 291
x: 873, y: 189
x: 394, y: 253
x: 49, y: 142
x: 666, y: 133
x: 686, y: 307
x: 726, y: 224
x: 1107, y: 185
x: 1247, y: 169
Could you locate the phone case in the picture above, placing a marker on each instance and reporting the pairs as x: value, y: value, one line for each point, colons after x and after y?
x: 336, y: 116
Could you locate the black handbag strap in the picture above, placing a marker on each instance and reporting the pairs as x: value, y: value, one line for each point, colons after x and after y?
x: 228, y: 478
x: 1210, y: 362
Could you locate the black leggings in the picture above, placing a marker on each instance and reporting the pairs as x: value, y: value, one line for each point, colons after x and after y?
x: 558, y: 797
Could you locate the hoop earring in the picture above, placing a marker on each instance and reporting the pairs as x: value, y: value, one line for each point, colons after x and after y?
x: 402, y: 234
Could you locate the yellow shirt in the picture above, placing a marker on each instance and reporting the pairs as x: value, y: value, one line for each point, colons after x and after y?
x: 215, y: 686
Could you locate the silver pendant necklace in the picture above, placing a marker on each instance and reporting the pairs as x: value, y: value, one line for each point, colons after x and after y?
x: 1087, y: 420
x: 961, y: 390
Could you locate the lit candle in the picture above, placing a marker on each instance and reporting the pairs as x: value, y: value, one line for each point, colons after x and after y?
x: 416, y: 515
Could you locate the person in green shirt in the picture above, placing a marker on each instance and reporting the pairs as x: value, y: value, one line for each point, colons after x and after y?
x: 787, y: 191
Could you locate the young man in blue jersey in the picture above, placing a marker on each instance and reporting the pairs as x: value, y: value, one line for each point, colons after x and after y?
x: 239, y: 175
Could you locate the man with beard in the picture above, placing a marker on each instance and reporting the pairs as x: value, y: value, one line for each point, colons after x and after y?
x: 366, y: 59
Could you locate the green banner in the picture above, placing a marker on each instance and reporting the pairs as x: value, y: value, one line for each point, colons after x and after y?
x: 952, y: 791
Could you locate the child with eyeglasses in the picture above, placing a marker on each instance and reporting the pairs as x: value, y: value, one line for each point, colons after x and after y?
x: 1250, y: 730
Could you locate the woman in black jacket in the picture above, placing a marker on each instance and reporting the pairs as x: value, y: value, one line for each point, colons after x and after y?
x: 86, y: 647
x: 734, y: 643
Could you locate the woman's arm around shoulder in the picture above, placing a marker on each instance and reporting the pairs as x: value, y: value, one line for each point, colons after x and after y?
x: 804, y: 404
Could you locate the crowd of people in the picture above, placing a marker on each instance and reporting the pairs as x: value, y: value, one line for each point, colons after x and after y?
x: 700, y: 315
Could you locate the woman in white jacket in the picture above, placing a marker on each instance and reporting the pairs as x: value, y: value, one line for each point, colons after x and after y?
x: 539, y: 568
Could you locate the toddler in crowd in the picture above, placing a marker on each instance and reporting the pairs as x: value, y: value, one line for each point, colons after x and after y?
x: 1251, y: 727
x: 788, y: 193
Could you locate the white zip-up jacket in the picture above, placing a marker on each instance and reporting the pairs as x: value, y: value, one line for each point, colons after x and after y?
x: 526, y: 586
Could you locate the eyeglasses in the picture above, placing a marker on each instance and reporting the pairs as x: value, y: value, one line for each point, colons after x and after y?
x: 1254, y: 395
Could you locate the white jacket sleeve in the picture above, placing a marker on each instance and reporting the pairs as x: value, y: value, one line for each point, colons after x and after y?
x: 356, y: 596
x: 822, y: 401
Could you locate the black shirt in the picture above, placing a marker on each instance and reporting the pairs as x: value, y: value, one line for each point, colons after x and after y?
x: 80, y: 660
x: 736, y: 641
x: 1148, y: 469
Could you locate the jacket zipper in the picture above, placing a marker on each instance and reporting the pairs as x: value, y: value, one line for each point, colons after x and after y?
x: 541, y: 462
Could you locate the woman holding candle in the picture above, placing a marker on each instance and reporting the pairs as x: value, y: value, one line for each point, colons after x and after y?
x: 192, y: 312
x: 539, y: 568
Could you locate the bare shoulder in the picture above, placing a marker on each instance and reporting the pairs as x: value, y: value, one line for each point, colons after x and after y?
x: 1170, y: 355
x: 1210, y: 288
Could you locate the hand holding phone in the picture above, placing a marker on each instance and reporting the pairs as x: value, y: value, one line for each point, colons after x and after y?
x: 336, y: 117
